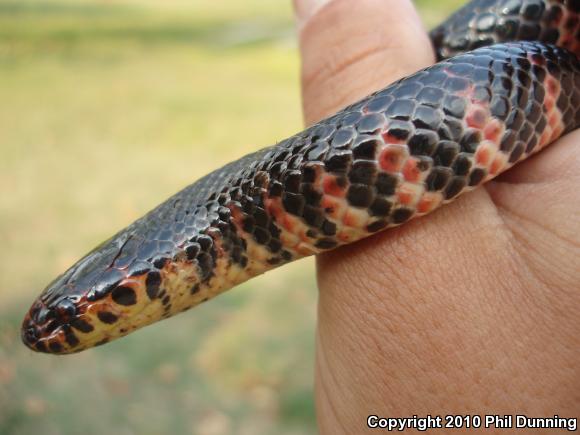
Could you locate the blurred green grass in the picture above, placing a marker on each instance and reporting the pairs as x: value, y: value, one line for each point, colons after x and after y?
x: 106, y: 108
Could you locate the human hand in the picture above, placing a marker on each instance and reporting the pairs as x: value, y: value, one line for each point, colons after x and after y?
x: 473, y: 309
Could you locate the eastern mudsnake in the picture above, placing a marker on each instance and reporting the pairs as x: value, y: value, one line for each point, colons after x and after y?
x: 395, y: 155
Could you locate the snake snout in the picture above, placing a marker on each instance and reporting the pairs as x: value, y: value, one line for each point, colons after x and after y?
x: 45, y: 325
x: 30, y: 332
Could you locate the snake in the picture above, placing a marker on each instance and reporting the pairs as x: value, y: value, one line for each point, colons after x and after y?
x: 506, y: 85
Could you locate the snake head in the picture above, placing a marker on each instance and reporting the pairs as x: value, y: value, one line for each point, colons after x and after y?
x: 60, y: 320
x: 92, y: 302
x: 44, y: 325
x: 120, y: 286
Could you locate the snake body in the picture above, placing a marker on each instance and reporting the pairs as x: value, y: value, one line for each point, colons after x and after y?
x: 398, y: 154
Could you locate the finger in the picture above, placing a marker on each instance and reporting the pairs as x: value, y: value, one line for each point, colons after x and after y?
x: 352, y: 48
x: 408, y: 318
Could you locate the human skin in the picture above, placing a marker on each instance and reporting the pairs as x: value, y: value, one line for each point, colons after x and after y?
x: 473, y: 309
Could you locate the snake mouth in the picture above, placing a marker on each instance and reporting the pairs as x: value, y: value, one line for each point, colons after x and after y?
x: 30, y: 335
x: 33, y: 337
x: 53, y: 329
x: 41, y: 329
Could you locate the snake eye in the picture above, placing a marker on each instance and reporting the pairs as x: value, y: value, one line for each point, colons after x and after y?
x: 43, y: 315
x: 65, y: 309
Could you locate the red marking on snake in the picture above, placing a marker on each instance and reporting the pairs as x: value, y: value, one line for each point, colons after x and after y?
x: 273, y: 207
x: 276, y: 210
x: 388, y: 138
x: 552, y: 86
x: 332, y: 206
x: 479, y: 117
x: 288, y: 222
x: 410, y: 171
x: 331, y: 187
x: 409, y: 193
x: 392, y: 158
x: 496, y: 165
x: 493, y: 131
x: 549, y: 103
x: 237, y: 214
x: 405, y: 198
x: 303, y: 236
x: 537, y: 60
x: 351, y: 220
x: 426, y: 204
x: 293, y: 234
x: 557, y: 132
x: 553, y: 114
x: 482, y: 155
x: 476, y: 117
x: 545, y: 138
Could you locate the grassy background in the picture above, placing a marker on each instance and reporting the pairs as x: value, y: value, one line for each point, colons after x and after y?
x: 147, y: 95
